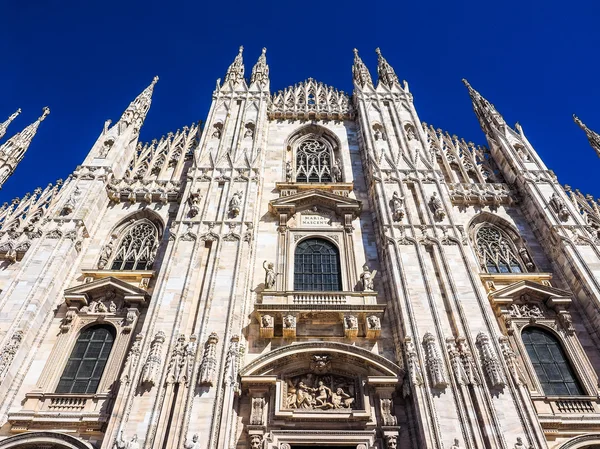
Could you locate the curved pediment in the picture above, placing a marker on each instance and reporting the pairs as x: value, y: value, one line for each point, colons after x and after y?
x: 311, y: 100
x: 322, y: 357
x: 54, y: 440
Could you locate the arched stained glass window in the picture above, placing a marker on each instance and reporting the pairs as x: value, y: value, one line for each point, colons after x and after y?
x: 313, y: 161
x: 550, y: 363
x: 317, y: 266
x: 137, y: 248
x: 497, y: 251
x: 87, y: 361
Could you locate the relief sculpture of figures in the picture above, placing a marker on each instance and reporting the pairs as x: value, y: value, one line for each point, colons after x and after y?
x: 327, y: 392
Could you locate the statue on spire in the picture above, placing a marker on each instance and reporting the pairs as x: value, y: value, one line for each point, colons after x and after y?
x: 593, y: 137
x: 360, y: 72
x: 385, y: 71
x: 235, y: 72
x: 260, y: 71
x: 4, y: 126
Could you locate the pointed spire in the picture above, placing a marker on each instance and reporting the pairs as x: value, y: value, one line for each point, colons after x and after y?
x: 137, y: 110
x: 260, y: 71
x: 360, y: 72
x: 593, y: 137
x: 385, y: 71
x: 4, y: 126
x: 235, y: 72
x: 485, y: 111
x: 13, y: 150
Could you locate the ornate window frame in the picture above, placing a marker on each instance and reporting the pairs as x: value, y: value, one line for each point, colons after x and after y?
x: 108, y: 301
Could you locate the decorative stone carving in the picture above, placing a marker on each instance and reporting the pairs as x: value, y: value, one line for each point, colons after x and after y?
x: 490, y: 362
x: 436, y: 207
x: 527, y: 260
x: 559, y: 207
x: 209, y: 361
x: 455, y: 444
x: 194, y: 202
x: 151, y: 368
x: 234, y: 204
x: 68, y: 319
x: 525, y: 311
x: 9, y: 351
x: 312, y: 392
x: 566, y: 320
x: 267, y: 327
x: 232, y: 363
x: 194, y: 444
x: 289, y: 173
x: 414, y: 374
x: 120, y: 442
x: 336, y: 171
x: 270, y: 275
x: 256, y: 416
x: 132, y: 360
x: 366, y: 278
x: 511, y: 361
x: 434, y: 362
x: 462, y: 361
x: 177, y: 363
x: 105, y: 254
x: 391, y: 441
x: 396, y: 204
x: 350, y: 326
x: 320, y: 363
x: 388, y: 416
x: 289, y: 326
x: 373, y: 326
x: 256, y: 441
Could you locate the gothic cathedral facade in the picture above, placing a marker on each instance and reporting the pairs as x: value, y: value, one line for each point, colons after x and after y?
x: 309, y: 268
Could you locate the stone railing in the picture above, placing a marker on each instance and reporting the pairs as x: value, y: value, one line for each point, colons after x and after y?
x: 320, y: 298
x: 284, y: 298
x: 85, y: 411
x: 564, y: 413
x: 574, y: 406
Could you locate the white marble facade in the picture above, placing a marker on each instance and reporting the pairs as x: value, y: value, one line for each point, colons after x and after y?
x: 183, y: 254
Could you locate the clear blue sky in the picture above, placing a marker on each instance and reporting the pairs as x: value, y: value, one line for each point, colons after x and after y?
x: 536, y: 60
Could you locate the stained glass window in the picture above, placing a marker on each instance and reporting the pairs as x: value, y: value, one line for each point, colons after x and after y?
x: 550, y: 363
x: 497, y: 251
x: 317, y: 266
x: 87, y: 361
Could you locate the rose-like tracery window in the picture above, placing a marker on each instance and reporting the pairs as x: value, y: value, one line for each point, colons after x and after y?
x: 137, y: 248
x: 497, y: 251
x: 313, y: 162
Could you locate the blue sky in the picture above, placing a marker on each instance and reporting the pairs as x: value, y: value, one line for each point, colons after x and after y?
x: 536, y: 60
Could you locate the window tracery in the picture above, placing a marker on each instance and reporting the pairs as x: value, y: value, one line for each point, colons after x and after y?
x: 313, y: 161
x: 137, y: 248
x: 497, y: 251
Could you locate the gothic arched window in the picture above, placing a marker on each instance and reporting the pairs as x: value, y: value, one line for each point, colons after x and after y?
x: 550, y: 363
x: 137, y: 248
x: 497, y: 251
x: 313, y: 161
x: 317, y: 266
x: 87, y: 361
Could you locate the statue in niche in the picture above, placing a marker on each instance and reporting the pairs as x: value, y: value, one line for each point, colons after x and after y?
x: 455, y: 444
x: 336, y: 171
x: 288, y: 171
x: 249, y: 134
x: 106, y: 146
x: 194, y: 444
x: 234, y: 203
x: 366, y: 278
x: 313, y: 392
x: 120, y: 442
x: 396, y: 204
x: 270, y: 275
x: 410, y: 132
x: 559, y: 206
x: 217, y: 132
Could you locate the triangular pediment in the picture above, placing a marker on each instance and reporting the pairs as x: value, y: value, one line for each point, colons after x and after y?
x: 532, y: 292
x: 85, y: 293
x: 290, y: 204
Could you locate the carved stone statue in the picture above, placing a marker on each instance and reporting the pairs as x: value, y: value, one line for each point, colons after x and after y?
x: 267, y: 321
x: 249, y: 134
x: 378, y: 134
x: 234, y: 204
x: 373, y: 322
x: 391, y: 441
x: 336, y: 171
x: 256, y: 441
x: 351, y: 322
x: 105, y: 254
x: 559, y: 206
x: 396, y: 204
x: 455, y: 444
x: 270, y: 275
x: 120, y: 442
x: 436, y: 207
x: 194, y: 444
x: 527, y: 259
x: 289, y: 321
x: 366, y: 278
x: 313, y: 392
x: 288, y: 171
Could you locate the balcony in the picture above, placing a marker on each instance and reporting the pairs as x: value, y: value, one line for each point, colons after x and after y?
x: 568, y: 414
x: 86, y: 412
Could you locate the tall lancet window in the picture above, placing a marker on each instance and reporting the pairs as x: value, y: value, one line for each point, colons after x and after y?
x: 313, y: 161
x: 87, y: 361
x: 317, y: 266
x: 137, y: 248
x: 497, y: 251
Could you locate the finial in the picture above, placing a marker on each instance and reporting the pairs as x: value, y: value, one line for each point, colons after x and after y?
x: 593, y: 137
x: 579, y: 122
x: 154, y: 80
x: 45, y: 112
x: 264, y: 50
x: 355, y: 51
x: 378, y: 51
x: 466, y: 83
